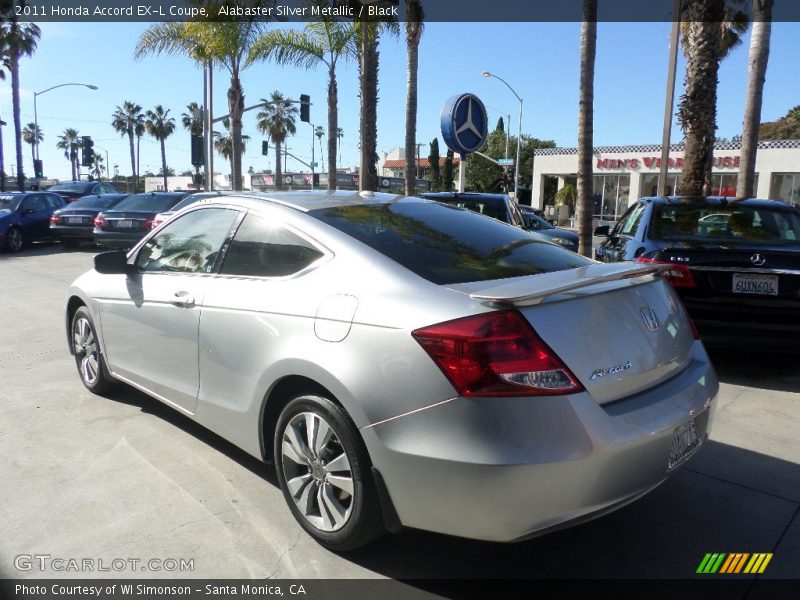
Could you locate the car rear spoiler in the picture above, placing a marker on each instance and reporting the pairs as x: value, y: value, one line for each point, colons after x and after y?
x: 534, y: 289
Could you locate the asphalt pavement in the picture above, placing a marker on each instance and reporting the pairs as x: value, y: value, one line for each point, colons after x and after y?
x: 125, y: 477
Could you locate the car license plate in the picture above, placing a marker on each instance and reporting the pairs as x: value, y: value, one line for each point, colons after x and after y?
x: 75, y: 220
x: 124, y: 223
x: 685, y: 442
x: 750, y: 283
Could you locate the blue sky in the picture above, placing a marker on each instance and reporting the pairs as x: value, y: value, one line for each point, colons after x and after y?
x: 540, y: 60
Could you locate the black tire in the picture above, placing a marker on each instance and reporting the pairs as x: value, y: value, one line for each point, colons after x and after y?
x: 312, y: 475
x: 15, y: 240
x: 88, y: 358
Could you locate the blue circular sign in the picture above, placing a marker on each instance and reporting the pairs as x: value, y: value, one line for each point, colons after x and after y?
x: 464, y: 123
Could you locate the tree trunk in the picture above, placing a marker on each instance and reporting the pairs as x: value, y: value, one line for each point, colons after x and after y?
x: 138, y: 163
x: 586, y: 127
x: 698, y: 106
x: 278, y: 170
x: 164, y: 164
x: 2, y: 163
x: 413, y: 30
x: 368, y: 67
x: 757, y: 70
x: 236, y: 108
x: 14, y: 68
x: 333, y: 126
x: 73, y: 154
x: 133, y: 159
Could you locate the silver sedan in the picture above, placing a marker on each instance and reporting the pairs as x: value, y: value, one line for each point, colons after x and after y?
x: 403, y: 362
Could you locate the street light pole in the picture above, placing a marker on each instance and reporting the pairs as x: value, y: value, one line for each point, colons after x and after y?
x: 36, y: 118
x: 519, y: 133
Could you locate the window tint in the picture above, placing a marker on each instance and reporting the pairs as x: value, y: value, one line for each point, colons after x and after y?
x: 444, y: 245
x: 94, y: 202
x: 149, y: 202
x: 630, y: 220
x: 53, y: 202
x: 75, y: 186
x: 731, y: 223
x: 189, y: 245
x: 35, y: 202
x: 264, y: 250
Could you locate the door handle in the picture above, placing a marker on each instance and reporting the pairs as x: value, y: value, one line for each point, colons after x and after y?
x: 183, y: 299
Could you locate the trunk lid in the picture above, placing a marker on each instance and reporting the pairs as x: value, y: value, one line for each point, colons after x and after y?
x: 618, y: 327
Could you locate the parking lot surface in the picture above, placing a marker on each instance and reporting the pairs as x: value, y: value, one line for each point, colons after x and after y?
x: 125, y: 477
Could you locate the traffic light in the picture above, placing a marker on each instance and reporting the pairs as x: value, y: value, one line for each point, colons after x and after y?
x: 197, y: 150
x: 38, y: 169
x: 87, y: 151
x: 264, y: 148
x: 305, y: 108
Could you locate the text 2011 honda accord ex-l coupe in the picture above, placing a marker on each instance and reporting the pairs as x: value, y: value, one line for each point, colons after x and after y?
x: 403, y: 362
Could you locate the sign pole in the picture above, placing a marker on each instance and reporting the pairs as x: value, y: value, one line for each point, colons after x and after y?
x: 462, y: 174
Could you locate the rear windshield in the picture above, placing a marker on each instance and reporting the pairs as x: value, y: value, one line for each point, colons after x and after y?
x: 94, y: 202
x: 187, y: 201
x: 731, y: 223
x: 445, y: 245
x: 148, y: 203
x: 491, y: 207
x: 73, y: 186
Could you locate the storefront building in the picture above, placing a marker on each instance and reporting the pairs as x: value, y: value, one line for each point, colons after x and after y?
x: 623, y: 174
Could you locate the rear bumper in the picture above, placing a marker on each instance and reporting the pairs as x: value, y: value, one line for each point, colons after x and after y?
x: 115, y: 239
x: 505, y: 469
x: 73, y: 233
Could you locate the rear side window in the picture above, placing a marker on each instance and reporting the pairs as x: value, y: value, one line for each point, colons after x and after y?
x: 148, y: 203
x: 445, y: 245
x: 729, y: 223
x: 261, y: 249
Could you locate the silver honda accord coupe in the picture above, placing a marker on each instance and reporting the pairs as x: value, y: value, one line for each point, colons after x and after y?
x: 403, y: 363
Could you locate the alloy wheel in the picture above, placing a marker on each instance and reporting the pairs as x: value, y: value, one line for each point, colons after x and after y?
x: 317, y: 471
x: 14, y: 239
x: 85, y: 346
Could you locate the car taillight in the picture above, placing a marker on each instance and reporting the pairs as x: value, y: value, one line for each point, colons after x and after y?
x: 100, y: 222
x: 148, y: 223
x: 496, y: 354
x: 55, y: 219
x: 677, y: 275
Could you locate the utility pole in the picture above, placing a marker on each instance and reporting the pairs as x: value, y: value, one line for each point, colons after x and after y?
x: 670, y: 97
x: 417, y: 164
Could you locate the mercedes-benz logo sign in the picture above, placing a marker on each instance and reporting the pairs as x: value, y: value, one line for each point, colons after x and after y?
x: 757, y: 259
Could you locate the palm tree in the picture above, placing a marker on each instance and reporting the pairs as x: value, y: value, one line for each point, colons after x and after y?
x: 97, y: 167
x: 415, y: 16
x: 586, y: 126
x: 160, y: 125
x: 710, y: 29
x: 320, y: 43
x: 19, y: 40
x: 277, y: 120
x: 759, y: 55
x: 129, y: 120
x: 69, y: 142
x: 32, y: 134
x: 194, y: 126
x: 226, y: 43
x: 339, y: 136
x: 319, y: 131
x: 223, y: 143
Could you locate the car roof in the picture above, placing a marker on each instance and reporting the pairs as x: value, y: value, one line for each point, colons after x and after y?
x: 465, y: 195
x: 307, y: 200
x: 715, y: 201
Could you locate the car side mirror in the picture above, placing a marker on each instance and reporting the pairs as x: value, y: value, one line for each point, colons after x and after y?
x: 113, y: 263
x: 603, y: 230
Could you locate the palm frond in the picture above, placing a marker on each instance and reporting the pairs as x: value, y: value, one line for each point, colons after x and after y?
x: 294, y: 48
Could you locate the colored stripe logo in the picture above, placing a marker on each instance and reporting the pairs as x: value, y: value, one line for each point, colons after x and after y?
x: 734, y: 563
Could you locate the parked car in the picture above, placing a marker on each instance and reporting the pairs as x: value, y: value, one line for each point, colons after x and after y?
x: 526, y: 210
x: 403, y: 362
x: 497, y: 206
x: 190, y: 199
x: 735, y: 264
x: 25, y: 217
x: 126, y: 223
x: 74, y: 223
x: 72, y: 190
x: 559, y: 235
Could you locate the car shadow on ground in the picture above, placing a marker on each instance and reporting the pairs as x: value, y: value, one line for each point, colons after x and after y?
x: 727, y: 499
x: 759, y: 369
x: 47, y: 248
